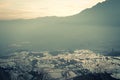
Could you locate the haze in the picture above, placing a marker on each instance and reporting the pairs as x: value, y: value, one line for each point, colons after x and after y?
x: 27, y: 9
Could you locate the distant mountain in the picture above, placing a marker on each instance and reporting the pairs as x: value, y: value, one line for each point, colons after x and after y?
x: 70, y: 32
x: 105, y: 13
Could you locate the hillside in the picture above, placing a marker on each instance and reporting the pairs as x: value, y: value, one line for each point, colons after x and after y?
x: 81, y: 64
x: 84, y: 30
x: 105, y: 13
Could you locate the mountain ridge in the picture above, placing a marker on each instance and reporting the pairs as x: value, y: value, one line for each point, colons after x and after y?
x: 104, y: 13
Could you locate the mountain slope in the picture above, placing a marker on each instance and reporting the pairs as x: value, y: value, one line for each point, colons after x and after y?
x: 67, y: 32
x: 106, y: 13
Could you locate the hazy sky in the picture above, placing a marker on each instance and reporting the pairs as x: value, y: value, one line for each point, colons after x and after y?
x: 14, y: 9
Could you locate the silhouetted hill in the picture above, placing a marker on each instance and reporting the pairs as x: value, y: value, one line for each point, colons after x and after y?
x: 105, y: 13
x: 77, y: 30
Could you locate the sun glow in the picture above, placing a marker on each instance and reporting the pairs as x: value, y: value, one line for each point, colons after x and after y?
x: 40, y: 8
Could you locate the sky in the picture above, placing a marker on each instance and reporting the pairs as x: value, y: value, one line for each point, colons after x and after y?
x: 27, y: 9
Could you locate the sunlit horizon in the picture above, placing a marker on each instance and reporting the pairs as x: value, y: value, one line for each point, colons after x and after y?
x: 28, y: 9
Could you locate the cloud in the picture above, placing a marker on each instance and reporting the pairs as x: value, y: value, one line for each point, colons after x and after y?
x: 12, y: 9
x: 15, y: 45
x: 4, y: 5
x: 20, y: 44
